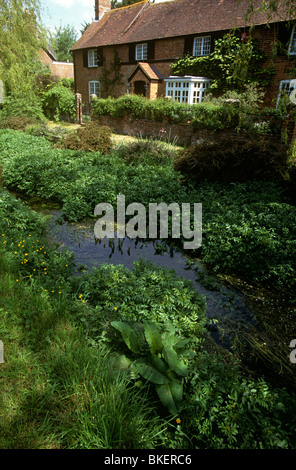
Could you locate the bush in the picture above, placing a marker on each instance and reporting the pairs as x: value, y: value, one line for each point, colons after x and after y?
x: 233, y: 158
x: 145, y: 151
x: 91, y: 138
x: 17, y: 112
x: 16, y: 122
x: 59, y: 103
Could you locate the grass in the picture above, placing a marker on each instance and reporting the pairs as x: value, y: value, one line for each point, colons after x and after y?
x: 56, y: 390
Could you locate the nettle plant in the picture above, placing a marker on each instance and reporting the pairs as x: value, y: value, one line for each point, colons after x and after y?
x: 159, y: 358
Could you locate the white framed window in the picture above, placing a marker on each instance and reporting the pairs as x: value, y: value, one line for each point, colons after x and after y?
x: 93, y: 58
x: 202, y: 46
x: 94, y: 88
x: 286, y: 88
x: 292, y: 45
x: 187, y: 89
x: 142, y: 51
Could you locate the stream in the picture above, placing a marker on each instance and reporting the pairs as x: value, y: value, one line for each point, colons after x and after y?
x: 226, y: 307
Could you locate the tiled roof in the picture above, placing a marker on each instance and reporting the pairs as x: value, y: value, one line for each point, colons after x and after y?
x: 150, y: 71
x: 145, y: 21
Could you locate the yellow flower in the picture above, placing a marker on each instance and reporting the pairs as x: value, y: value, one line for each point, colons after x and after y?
x: 17, y: 280
x: 178, y: 421
x: 115, y: 308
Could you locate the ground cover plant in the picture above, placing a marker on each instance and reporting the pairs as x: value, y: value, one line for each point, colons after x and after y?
x: 62, y: 383
x: 243, y: 222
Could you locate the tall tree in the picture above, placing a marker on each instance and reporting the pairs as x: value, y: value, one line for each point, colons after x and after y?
x: 122, y: 3
x: 21, y: 40
x: 63, y: 39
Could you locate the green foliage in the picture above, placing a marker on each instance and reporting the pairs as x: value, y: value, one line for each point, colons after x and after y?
x: 20, y: 44
x: 91, y: 138
x: 231, y: 65
x: 144, y: 293
x: 213, y: 113
x: 248, y: 227
x: 227, y: 410
x: 59, y: 103
x: 138, y: 107
x: 21, y: 106
x: 158, y: 358
x: 63, y: 38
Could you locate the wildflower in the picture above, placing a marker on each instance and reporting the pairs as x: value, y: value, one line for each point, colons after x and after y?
x: 178, y: 421
x: 115, y: 308
x: 16, y: 280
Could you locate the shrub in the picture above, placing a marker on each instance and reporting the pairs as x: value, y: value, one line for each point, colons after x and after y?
x: 59, y: 103
x: 233, y: 157
x: 92, y: 138
x: 16, y: 122
x: 145, y: 151
x: 17, y: 112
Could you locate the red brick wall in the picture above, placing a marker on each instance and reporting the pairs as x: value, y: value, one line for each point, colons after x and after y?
x: 166, y: 51
x: 182, y: 133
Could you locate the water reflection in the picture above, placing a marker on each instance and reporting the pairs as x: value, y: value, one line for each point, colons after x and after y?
x: 223, y: 304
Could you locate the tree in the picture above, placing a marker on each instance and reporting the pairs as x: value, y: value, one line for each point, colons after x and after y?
x: 122, y: 3
x: 21, y: 39
x: 63, y: 39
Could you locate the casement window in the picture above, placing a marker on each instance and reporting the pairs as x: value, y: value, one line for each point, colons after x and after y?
x: 93, y: 58
x: 202, y: 46
x: 187, y: 89
x: 286, y: 88
x: 94, y: 89
x: 142, y: 51
x: 292, y: 44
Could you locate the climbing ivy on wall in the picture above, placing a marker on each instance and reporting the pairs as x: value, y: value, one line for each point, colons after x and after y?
x: 233, y: 64
x: 111, y: 76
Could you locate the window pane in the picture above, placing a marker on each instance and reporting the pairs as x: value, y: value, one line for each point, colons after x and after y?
x: 202, y: 46
x: 293, y: 42
x: 92, y: 58
x: 141, y: 51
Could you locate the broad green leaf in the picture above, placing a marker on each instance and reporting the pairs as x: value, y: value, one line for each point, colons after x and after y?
x: 158, y: 363
x: 170, y: 395
x: 150, y: 373
x: 175, y: 364
x: 153, y: 338
x: 129, y: 336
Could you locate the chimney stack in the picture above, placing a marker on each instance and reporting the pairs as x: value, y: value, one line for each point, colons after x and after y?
x: 101, y: 7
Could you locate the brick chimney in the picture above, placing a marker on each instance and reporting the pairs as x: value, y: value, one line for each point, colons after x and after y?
x: 101, y: 7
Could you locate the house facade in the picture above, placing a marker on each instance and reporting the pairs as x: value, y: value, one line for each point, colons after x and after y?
x: 58, y: 69
x: 132, y: 49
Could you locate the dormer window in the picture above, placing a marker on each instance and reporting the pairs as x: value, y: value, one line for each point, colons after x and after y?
x: 142, y: 51
x: 292, y: 45
x: 202, y: 46
x: 93, y: 58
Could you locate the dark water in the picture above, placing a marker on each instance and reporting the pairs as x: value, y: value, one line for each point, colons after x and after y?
x: 224, y: 304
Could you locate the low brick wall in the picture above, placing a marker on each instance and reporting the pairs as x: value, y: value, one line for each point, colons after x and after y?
x: 180, y: 133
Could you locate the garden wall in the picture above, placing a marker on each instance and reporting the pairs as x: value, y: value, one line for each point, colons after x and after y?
x: 181, y: 133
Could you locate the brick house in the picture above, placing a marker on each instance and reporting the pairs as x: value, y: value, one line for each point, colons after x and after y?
x: 131, y: 49
x: 59, y: 69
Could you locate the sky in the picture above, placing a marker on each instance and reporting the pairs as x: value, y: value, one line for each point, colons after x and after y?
x: 55, y: 13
